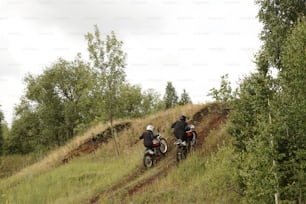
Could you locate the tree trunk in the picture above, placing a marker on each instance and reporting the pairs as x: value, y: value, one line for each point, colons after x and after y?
x: 114, y: 135
x: 276, y: 194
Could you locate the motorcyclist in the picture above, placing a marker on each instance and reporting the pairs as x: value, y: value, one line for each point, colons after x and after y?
x: 148, y: 137
x: 179, y: 129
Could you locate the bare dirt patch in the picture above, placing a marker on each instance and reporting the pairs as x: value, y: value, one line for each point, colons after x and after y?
x: 92, y: 144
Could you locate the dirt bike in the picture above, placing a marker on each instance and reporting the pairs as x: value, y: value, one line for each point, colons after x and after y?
x: 160, y: 148
x: 183, y: 148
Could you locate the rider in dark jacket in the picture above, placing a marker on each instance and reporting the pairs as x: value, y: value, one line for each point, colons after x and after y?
x: 148, y: 137
x: 180, y: 127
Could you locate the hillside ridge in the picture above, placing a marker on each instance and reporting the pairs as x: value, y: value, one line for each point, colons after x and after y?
x: 206, y: 120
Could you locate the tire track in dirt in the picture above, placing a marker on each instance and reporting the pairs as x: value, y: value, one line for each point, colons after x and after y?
x: 134, y: 175
x: 165, y: 168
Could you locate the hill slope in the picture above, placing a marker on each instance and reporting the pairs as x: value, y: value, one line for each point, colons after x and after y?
x: 88, y: 170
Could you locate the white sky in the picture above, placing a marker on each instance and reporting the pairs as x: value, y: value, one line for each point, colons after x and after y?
x: 190, y: 43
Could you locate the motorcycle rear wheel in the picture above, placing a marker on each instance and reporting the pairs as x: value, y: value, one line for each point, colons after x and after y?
x: 163, y: 146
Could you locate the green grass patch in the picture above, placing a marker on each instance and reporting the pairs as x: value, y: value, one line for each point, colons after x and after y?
x: 216, y: 138
x: 72, y: 183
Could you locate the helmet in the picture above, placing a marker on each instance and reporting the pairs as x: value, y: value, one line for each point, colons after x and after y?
x: 150, y: 128
x: 191, y: 127
x: 183, y: 117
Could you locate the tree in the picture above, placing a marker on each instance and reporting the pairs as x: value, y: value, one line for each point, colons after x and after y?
x: 25, y: 135
x: 108, y: 60
x: 267, y: 123
x: 184, y: 99
x: 278, y: 18
x: 56, y: 103
x: 281, y: 25
x: 73, y: 83
x: 290, y: 109
x: 132, y: 102
x: 129, y: 101
x: 251, y: 128
x: 224, y: 93
x: 5, y: 134
x: 170, y: 97
x: 63, y: 97
x: 151, y: 102
x: 1, y: 133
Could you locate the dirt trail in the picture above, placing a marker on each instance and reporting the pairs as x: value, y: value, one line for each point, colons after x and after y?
x: 205, y: 120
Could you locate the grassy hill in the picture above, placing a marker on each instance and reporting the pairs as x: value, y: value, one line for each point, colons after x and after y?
x: 87, y: 170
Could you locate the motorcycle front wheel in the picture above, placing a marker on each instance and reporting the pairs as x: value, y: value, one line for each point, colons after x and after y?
x: 148, y: 160
x: 180, y: 154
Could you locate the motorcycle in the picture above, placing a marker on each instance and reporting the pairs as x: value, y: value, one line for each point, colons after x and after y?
x: 183, y: 148
x: 160, y: 148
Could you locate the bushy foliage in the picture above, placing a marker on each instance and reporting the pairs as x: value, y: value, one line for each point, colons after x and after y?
x: 224, y: 93
x: 249, y: 126
x: 185, y: 98
x: 278, y: 19
x: 268, y: 120
x: 249, y: 108
x: 290, y: 112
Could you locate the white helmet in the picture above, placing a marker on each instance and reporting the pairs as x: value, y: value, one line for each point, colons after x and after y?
x: 150, y: 128
x: 191, y: 127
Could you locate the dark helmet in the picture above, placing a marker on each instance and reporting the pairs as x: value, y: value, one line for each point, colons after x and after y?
x: 183, y: 117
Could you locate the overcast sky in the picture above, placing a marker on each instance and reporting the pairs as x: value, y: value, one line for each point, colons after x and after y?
x: 191, y: 43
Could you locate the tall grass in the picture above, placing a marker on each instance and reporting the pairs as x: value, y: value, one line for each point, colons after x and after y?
x: 10, y: 164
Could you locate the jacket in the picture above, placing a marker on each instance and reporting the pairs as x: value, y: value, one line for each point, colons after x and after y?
x: 180, y: 127
x: 147, y: 137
